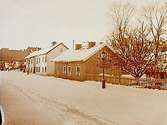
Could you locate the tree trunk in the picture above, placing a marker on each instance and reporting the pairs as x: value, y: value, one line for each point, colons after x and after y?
x: 138, y: 81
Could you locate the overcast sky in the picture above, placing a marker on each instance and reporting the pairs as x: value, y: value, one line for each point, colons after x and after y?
x: 26, y: 23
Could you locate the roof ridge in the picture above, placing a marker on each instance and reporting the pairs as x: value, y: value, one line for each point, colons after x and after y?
x: 78, y: 55
x: 43, y: 50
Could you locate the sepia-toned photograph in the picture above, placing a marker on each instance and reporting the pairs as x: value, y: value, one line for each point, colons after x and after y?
x: 83, y: 62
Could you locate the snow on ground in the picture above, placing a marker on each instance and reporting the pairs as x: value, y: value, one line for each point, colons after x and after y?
x: 66, y: 102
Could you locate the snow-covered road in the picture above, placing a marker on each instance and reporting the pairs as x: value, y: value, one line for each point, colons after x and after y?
x: 41, y: 100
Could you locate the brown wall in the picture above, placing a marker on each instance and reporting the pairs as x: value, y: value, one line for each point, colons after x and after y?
x: 90, y: 69
x: 59, y: 70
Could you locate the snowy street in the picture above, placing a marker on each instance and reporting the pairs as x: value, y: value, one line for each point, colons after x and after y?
x: 45, y: 100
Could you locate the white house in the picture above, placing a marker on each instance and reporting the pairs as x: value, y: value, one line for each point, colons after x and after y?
x: 40, y: 62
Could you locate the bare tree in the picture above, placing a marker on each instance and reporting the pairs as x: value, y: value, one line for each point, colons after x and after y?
x: 156, y: 18
x: 135, y: 51
x: 121, y: 17
x: 137, y: 46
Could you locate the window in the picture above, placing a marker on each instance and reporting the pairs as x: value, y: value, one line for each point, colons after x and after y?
x: 78, y: 70
x: 42, y: 59
x: 39, y: 69
x: 69, y: 71
x: 42, y: 69
x: 45, y: 69
x: 39, y: 60
x: 45, y: 59
x: 64, y: 70
x: 31, y: 61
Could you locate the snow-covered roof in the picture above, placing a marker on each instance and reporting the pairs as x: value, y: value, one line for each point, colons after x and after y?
x: 43, y: 51
x: 131, y: 77
x: 78, y: 55
x: 127, y: 76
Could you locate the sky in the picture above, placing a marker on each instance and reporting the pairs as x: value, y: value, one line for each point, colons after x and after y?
x: 37, y: 23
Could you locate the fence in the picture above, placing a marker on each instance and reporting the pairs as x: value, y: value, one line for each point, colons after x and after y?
x: 125, y: 81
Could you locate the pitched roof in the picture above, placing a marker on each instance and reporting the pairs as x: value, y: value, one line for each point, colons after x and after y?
x: 78, y: 55
x: 43, y: 51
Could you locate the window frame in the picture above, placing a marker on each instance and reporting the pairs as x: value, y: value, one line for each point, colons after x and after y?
x: 45, y: 68
x: 69, y: 72
x: 78, y: 73
x: 64, y: 70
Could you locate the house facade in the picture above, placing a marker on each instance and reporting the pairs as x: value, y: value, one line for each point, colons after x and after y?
x: 84, y: 64
x: 39, y: 62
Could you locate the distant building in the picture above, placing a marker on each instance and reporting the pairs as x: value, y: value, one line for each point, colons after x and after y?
x: 161, y: 70
x: 39, y: 62
x: 83, y: 63
x: 162, y: 64
x: 15, y: 57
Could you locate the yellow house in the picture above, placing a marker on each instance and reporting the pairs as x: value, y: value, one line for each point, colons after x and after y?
x: 83, y: 63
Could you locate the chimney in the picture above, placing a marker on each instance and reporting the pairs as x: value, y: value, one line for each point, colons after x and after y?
x: 78, y: 46
x: 53, y: 43
x: 91, y: 44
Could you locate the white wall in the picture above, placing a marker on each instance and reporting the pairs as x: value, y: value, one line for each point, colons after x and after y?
x: 40, y: 63
x: 45, y: 60
x: 51, y: 55
x: 31, y: 64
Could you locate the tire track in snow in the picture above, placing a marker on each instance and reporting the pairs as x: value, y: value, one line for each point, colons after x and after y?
x: 85, y: 119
